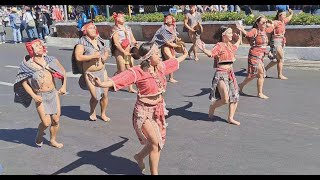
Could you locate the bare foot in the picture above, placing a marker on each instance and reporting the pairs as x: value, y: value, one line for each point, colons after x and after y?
x: 133, y: 91
x: 211, y: 112
x: 39, y: 140
x: 232, y: 121
x: 262, y: 96
x: 93, y: 117
x: 56, y: 144
x: 282, y: 77
x: 196, y: 59
x: 240, y: 87
x: 173, y: 81
x: 105, y: 118
x: 140, y: 162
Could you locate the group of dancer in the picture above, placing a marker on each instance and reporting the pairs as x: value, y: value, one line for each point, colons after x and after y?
x: 35, y: 79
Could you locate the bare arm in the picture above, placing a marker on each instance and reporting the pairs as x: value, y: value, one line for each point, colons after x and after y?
x: 171, y: 44
x: 239, y: 41
x: 291, y: 14
x: 63, y: 88
x: 186, y: 23
x: 29, y: 90
x: 184, y: 56
x: 105, y: 56
x: 117, y: 42
x: 80, y: 57
x: 133, y: 40
x: 105, y: 84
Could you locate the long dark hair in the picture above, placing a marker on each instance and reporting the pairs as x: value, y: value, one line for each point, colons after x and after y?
x: 255, y: 25
x: 143, y: 50
x: 278, y: 14
x: 218, y: 35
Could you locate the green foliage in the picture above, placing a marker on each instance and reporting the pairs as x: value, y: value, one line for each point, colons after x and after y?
x: 100, y: 18
x: 297, y: 19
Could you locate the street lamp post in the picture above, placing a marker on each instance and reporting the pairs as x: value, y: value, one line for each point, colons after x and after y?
x: 129, y: 8
x: 108, y: 13
x: 66, y: 12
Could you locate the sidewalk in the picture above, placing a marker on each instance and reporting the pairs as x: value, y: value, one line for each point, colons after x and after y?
x: 291, y: 53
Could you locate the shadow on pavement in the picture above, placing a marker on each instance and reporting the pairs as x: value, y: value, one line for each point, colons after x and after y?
x: 65, y: 49
x: 204, y: 91
x: 74, y: 112
x: 105, y: 161
x: 20, y: 136
x: 241, y: 72
x: 190, y: 115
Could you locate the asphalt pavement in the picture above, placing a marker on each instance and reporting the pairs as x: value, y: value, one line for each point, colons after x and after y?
x: 276, y: 136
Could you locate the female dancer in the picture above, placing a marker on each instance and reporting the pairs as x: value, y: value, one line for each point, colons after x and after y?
x: 192, y: 20
x: 149, y: 112
x: 224, y: 83
x: 91, y: 54
x: 258, y: 41
x: 35, y: 80
x: 122, y: 40
x: 278, y: 41
x: 165, y: 37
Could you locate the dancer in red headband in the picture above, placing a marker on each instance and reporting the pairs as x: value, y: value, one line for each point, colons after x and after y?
x: 166, y: 38
x: 278, y: 41
x: 122, y: 40
x: 224, y: 84
x: 149, y: 111
x: 91, y: 54
x: 35, y: 80
x: 258, y: 41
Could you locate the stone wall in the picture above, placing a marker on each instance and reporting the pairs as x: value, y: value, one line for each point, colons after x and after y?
x: 297, y: 35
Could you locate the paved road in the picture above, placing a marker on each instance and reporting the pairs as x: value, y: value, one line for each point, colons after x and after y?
x: 277, y: 136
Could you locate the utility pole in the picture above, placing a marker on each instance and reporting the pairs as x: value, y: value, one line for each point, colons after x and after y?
x: 108, y: 13
x: 65, y: 13
x: 129, y: 8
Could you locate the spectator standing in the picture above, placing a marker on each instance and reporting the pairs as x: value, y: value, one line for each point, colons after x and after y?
x: 2, y: 31
x: 15, y: 22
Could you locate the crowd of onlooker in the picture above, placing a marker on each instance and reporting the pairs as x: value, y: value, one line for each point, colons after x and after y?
x: 34, y: 20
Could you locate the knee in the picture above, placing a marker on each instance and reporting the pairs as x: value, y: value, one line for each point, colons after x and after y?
x: 225, y: 100
x: 55, y: 122
x: 154, y: 146
x: 46, y: 124
x: 93, y: 99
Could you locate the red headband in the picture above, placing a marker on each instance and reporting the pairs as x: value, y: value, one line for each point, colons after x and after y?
x: 30, y: 49
x: 84, y: 28
x: 171, y: 17
x: 117, y: 16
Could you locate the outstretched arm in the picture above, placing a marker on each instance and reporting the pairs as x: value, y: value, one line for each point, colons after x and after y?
x: 239, y: 39
x: 184, y: 55
x: 200, y: 44
x: 118, y: 81
x: 290, y: 16
x: 97, y: 82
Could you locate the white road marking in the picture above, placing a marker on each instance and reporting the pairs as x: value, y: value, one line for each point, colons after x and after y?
x: 17, y: 67
x: 6, y: 83
x: 111, y: 64
x: 70, y: 74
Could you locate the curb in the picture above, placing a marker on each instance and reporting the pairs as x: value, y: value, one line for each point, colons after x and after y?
x: 292, y: 53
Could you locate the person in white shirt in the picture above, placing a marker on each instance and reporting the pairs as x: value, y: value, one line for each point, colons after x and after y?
x: 28, y: 18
